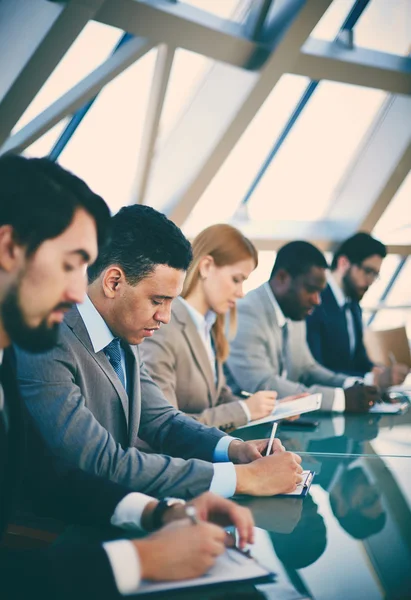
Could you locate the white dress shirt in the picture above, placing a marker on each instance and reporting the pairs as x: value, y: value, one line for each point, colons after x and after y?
x: 339, y: 396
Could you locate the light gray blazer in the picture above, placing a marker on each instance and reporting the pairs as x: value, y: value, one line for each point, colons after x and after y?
x: 177, y: 360
x: 255, y: 356
x: 85, y: 416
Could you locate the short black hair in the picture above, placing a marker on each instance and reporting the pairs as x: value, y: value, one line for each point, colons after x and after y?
x: 297, y: 258
x: 359, y: 247
x: 38, y: 198
x: 141, y: 239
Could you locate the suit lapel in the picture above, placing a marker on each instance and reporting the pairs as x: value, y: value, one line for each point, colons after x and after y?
x: 76, y: 324
x: 196, y: 345
x: 133, y: 355
x: 271, y: 319
x: 338, y: 318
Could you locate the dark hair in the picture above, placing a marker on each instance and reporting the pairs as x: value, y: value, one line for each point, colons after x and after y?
x: 38, y: 198
x: 141, y: 239
x: 356, y: 524
x: 297, y: 258
x: 359, y: 247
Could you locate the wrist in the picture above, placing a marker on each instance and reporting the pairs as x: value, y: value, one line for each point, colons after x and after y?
x: 244, y: 480
x: 145, y: 552
x: 147, y: 516
x: 233, y: 450
x: 167, y: 510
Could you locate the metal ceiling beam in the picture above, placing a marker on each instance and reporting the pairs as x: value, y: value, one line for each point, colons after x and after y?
x: 162, y: 70
x: 358, y: 66
x: 181, y: 25
x: 219, y: 114
x: 378, y: 169
x: 75, y: 98
x: 35, y: 35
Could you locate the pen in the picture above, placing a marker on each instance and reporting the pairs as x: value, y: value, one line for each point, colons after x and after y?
x: 272, y: 436
x: 191, y: 513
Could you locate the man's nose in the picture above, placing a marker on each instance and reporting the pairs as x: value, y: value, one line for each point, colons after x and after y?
x: 163, y: 315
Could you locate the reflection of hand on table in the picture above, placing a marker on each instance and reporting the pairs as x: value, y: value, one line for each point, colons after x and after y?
x: 280, y: 515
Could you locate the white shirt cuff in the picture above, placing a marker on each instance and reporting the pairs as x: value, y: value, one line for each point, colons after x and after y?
x: 129, y: 511
x: 350, y: 381
x: 221, y: 450
x: 125, y: 564
x: 338, y: 425
x: 245, y: 409
x: 224, y: 481
x: 369, y: 378
x: 339, y: 400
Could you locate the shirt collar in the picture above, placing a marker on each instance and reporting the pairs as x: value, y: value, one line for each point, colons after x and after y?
x: 1, y: 355
x: 100, y: 334
x: 339, y: 296
x: 200, y: 320
x: 281, y: 318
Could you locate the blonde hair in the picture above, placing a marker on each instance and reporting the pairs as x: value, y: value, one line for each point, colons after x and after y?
x: 227, y: 246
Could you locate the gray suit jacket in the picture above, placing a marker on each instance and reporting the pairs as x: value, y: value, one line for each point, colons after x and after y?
x: 255, y: 356
x: 83, y: 412
x: 178, y: 362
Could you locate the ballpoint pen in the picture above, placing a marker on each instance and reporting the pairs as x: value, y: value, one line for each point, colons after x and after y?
x: 191, y: 513
x: 272, y: 436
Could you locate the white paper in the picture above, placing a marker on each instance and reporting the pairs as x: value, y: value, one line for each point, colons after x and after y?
x: 283, y: 410
x: 230, y: 566
x: 386, y: 408
x: 300, y: 487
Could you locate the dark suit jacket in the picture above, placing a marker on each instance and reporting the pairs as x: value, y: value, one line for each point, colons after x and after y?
x: 327, y: 336
x: 66, y: 571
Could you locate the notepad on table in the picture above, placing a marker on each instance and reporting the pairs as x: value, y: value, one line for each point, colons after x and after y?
x: 302, y: 488
x: 231, y: 566
x: 385, y: 408
x: 290, y: 408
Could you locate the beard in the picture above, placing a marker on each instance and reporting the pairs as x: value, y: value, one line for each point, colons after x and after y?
x: 350, y: 290
x: 33, y: 339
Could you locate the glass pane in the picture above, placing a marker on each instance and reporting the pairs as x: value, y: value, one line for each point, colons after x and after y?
x: 105, y: 148
x: 234, y: 10
x: 45, y: 143
x: 331, y: 23
x: 385, y: 26
x: 89, y: 50
x: 186, y: 74
x: 400, y: 295
x: 372, y: 297
x: 262, y: 273
x: 301, y: 180
x: 394, y: 226
x: 232, y: 181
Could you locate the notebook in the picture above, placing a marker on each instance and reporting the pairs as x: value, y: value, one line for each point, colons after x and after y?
x: 302, y: 488
x: 291, y: 408
x: 231, y: 566
x: 385, y: 408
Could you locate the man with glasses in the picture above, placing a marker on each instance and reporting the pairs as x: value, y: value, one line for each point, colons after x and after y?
x: 334, y: 329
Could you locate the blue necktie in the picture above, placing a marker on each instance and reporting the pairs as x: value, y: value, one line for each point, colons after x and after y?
x: 113, y: 353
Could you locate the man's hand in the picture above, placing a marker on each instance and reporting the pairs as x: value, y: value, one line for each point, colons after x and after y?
x: 360, y: 398
x: 224, y: 512
x: 278, y: 474
x: 180, y: 550
x: 261, y: 404
x: 384, y: 377
x: 245, y: 452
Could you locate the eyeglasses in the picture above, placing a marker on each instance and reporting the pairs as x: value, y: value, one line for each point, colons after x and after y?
x: 369, y: 272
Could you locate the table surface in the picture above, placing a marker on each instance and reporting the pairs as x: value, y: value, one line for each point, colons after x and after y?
x: 386, y: 435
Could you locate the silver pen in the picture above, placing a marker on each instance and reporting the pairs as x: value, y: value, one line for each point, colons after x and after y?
x: 191, y: 513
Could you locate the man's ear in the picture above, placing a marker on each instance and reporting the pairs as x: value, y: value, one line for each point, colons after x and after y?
x: 343, y: 264
x: 11, y: 253
x: 283, y: 277
x: 113, y: 279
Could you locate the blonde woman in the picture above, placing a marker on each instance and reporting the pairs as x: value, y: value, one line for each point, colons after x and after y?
x: 185, y: 357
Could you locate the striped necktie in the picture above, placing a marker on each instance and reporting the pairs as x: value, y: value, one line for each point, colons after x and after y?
x: 113, y: 353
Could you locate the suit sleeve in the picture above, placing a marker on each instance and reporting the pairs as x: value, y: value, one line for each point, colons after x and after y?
x: 57, y: 407
x: 68, y: 571
x: 159, y: 356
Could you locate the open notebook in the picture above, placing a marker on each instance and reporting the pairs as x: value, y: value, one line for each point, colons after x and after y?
x: 285, y: 409
x: 231, y: 566
x: 385, y: 408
